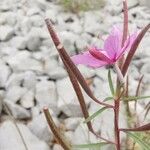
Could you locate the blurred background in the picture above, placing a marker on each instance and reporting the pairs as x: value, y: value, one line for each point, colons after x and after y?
x: 32, y: 74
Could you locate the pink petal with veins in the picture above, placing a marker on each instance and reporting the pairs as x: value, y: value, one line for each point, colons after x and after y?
x: 87, y: 59
x: 127, y: 45
x: 113, y: 43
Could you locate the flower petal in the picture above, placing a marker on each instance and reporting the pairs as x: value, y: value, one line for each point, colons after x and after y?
x: 87, y: 59
x: 113, y: 43
x: 127, y: 45
x: 99, y: 54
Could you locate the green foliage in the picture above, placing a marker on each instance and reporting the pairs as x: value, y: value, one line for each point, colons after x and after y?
x: 110, y: 83
x: 95, y: 114
x: 138, y: 138
x: 81, y: 5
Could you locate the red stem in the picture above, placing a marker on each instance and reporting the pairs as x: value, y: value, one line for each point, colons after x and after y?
x: 116, y: 124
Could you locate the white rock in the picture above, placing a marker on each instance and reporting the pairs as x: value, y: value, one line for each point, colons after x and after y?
x: 86, y: 71
x: 35, y: 111
x: 5, y: 72
x: 51, y: 13
x: 14, y: 93
x: 46, y: 94
x: 15, y: 79
x: 53, y: 69
x: 37, y: 20
x: 68, y: 40
x: 81, y: 44
x: 33, y: 42
x: 40, y: 128
x: 67, y: 101
x: 7, y: 50
x: 17, y: 111
x: 6, y: 32
x: 145, y: 2
x: 18, y: 42
x: 23, y: 61
x: 132, y: 3
x: 27, y: 100
x: 82, y: 132
x: 29, y: 80
x: 9, y: 131
x: 72, y: 123
x: 57, y: 73
x: 33, y: 11
x: 57, y: 147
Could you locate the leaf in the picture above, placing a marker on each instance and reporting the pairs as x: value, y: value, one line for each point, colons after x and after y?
x: 110, y: 83
x: 139, y: 140
x: 108, y: 98
x: 79, y: 94
x: 145, y: 127
x: 134, y: 98
x: 92, y: 145
x: 133, y: 49
x: 95, y: 114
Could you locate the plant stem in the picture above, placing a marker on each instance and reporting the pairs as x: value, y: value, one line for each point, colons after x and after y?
x: 116, y: 123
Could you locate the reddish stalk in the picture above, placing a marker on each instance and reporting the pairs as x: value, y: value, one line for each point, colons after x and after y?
x: 116, y: 120
x: 120, y: 79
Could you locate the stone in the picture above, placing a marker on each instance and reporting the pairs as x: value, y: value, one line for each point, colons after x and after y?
x: 53, y: 69
x: 145, y: 3
x: 27, y: 100
x: 132, y: 3
x: 29, y: 80
x: 17, y: 111
x: 33, y: 42
x: 57, y: 73
x: 81, y: 44
x: 14, y: 93
x: 86, y: 71
x: 6, y: 32
x: 68, y: 40
x: 82, y: 132
x: 23, y: 61
x: 37, y: 20
x: 72, y: 123
x: 18, y: 42
x: 5, y: 73
x: 45, y: 95
x: 57, y: 147
x: 67, y: 101
x: 15, y: 79
x: 40, y: 128
x: 8, y: 131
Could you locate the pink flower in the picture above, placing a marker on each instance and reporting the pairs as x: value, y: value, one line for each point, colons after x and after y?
x: 112, y: 51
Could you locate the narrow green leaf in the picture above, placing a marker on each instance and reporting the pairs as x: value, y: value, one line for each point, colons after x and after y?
x: 139, y: 140
x: 92, y: 145
x: 95, y: 114
x: 110, y: 83
x: 134, y: 98
x: 108, y: 98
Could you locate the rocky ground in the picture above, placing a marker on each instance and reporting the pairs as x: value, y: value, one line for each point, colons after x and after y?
x: 32, y: 75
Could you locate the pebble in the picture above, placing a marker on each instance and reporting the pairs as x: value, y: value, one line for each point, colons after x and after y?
x: 6, y: 32
x: 46, y: 95
x: 17, y: 111
x: 8, y: 131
